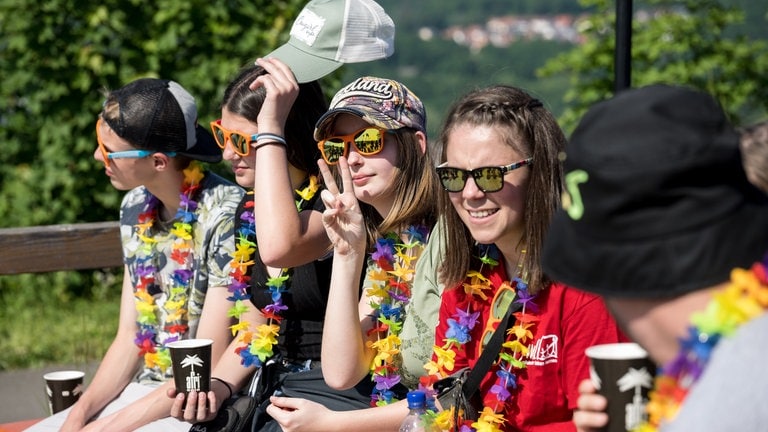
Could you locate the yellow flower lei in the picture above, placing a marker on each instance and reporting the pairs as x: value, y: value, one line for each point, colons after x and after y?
x: 154, y: 350
x: 743, y: 299
x: 257, y: 345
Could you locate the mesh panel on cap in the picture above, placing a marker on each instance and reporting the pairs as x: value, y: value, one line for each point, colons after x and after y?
x: 363, y: 40
x: 151, y: 118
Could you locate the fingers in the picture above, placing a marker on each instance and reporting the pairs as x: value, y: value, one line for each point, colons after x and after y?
x: 278, y: 75
x: 590, y: 414
x: 328, y: 181
x: 587, y: 421
x: 195, y: 409
x: 346, y: 175
x: 177, y: 409
x: 587, y: 386
x: 202, y: 406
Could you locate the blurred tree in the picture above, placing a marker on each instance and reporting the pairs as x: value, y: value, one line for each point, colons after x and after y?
x: 686, y: 42
x: 56, y: 57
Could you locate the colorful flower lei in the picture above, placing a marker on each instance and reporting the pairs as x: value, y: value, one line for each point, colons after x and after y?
x: 391, y: 267
x: 511, y: 357
x: 257, y: 346
x: 745, y: 298
x: 154, y: 350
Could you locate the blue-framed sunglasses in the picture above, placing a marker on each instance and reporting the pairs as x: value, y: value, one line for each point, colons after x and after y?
x: 125, y: 154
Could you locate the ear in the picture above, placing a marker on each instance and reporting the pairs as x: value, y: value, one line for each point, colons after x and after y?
x: 161, y: 161
x: 422, y: 141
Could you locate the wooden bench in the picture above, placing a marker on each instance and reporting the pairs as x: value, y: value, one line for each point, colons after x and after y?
x: 51, y: 248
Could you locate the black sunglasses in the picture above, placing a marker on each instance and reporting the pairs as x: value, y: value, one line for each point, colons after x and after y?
x: 487, y: 179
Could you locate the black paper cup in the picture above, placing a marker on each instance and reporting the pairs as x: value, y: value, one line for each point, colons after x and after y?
x: 623, y: 373
x: 191, y: 359
x: 63, y: 389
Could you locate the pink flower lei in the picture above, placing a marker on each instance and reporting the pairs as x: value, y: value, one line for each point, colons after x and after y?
x: 154, y: 350
x: 510, y: 359
x: 391, y: 267
x: 257, y: 345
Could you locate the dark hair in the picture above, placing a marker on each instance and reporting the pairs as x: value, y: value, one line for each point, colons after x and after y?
x: 300, y: 124
x: 111, y: 111
x: 415, y: 186
x: 531, y: 130
x: 754, y: 154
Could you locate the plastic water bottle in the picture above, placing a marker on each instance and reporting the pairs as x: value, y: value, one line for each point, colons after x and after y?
x: 417, y: 404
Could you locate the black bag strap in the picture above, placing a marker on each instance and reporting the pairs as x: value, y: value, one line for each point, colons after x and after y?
x: 489, y: 353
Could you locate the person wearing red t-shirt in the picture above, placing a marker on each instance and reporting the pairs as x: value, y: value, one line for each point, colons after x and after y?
x: 503, y: 180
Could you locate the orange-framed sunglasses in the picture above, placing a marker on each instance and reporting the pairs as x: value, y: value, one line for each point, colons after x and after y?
x: 125, y: 154
x: 241, y: 142
x: 502, y: 301
x: 368, y: 141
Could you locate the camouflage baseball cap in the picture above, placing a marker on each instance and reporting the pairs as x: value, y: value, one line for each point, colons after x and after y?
x: 381, y: 102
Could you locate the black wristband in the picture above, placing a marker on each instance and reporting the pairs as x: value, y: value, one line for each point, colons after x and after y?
x: 266, y: 143
x: 229, y: 387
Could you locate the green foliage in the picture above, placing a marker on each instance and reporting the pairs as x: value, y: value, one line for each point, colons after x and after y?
x: 45, y: 323
x: 680, y: 42
x: 57, y: 56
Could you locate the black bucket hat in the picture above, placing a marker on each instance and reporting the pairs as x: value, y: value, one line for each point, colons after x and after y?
x: 160, y: 115
x: 657, y: 201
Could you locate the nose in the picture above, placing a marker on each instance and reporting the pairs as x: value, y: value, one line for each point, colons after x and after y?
x: 353, y: 157
x: 229, y: 152
x: 99, y: 156
x: 471, y: 191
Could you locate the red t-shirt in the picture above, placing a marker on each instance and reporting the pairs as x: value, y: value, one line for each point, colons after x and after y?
x: 570, y: 321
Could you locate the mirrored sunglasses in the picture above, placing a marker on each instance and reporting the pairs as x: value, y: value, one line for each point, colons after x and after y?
x: 125, y: 154
x: 487, y: 179
x: 241, y: 142
x: 368, y: 141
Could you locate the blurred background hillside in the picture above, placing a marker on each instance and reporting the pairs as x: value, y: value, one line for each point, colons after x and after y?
x: 56, y: 57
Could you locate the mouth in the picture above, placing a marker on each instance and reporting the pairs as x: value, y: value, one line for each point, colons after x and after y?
x: 479, y: 214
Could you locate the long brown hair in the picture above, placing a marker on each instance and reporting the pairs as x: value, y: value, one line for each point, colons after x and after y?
x: 416, y: 188
x: 530, y: 129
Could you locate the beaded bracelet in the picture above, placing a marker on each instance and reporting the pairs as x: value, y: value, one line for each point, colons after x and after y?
x: 226, y: 384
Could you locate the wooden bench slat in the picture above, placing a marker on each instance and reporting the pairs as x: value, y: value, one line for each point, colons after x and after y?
x: 60, y: 247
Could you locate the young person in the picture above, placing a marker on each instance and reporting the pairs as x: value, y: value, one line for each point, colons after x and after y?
x: 176, y: 224
x: 373, y: 136
x: 503, y: 178
x: 283, y: 266
x: 664, y: 224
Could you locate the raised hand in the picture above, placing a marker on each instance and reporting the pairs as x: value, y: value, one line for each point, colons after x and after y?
x: 342, y: 217
x: 282, y: 91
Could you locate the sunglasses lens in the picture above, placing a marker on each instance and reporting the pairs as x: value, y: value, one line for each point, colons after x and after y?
x: 489, y: 179
x: 369, y: 141
x: 240, y: 143
x: 452, y: 179
x: 333, y: 149
x: 219, y: 136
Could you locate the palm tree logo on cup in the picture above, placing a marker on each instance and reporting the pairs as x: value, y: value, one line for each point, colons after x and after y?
x: 193, y: 379
x: 637, y: 379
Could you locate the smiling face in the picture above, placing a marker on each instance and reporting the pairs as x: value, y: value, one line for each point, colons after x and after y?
x: 493, y: 217
x: 242, y: 166
x: 372, y: 176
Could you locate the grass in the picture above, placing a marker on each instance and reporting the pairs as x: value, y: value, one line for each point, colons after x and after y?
x: 42, y: 326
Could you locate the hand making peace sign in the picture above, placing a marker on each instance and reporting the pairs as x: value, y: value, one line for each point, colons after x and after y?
x: 342, y: 217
